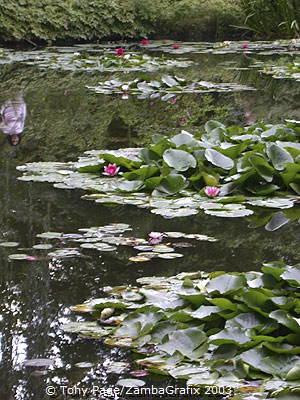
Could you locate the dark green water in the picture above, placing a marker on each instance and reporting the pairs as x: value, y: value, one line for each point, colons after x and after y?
x: 63, y: 120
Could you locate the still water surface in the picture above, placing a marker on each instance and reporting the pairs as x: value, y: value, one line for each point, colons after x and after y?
x: 63, y: 120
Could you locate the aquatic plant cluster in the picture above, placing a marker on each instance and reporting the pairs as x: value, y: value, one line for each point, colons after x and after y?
x: 226, y: 172
x: 289, y: 71
x: 260, y: 159
x: 167, y: 87
x: 223, y: 329
x: 105, y: 62
x: 238, y: 331
x: 105, y: 238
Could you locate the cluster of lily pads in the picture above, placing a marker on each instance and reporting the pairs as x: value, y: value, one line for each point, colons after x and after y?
x: 289, y: 71
x: 282, y: 70
x: 226, y: 47
x: 104, y: 62
x: 253, y: 166
x: 261, y: 160
x: 106, y: 239
x: 168, y: 86
x: 233, y: 330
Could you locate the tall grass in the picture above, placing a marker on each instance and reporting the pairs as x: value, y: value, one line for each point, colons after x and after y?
x: 272, y: 18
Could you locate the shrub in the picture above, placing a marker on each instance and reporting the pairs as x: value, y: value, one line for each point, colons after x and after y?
x: 101, y: 19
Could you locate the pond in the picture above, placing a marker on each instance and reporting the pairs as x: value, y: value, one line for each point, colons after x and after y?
x: 64, y: 119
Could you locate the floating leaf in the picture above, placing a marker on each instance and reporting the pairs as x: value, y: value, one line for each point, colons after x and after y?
x: 190, y: 342
x: 140, y: 259
x: 42, y: 246
x: 50, y: 235
x: 170, y: 256
x: 86, y: 329
x: 277, y: 221
x: 226, y: 283
x: 64, y: 253
x: 9, y: 244
x: 218, y: 159
x: 232, y: 335
x: 117, y: 367
x: 19, y: 256
x: 84, y: 365
x: 38, y: 362
x: 179, y: 159
x: 139, y: 373
x: 279, y: 156
x: 130, y: 383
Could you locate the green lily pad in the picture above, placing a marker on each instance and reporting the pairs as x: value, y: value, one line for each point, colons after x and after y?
x: 86, y: 329
x: 9, y: 244
x: 130, y: 383
x: 179, y: 160
x: 42, y: 246
x: 18, y: 256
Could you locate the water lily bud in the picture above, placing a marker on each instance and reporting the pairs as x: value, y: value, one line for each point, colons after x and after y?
x: 294, y: 373
x: 210, y: 180
x: 106, y: 313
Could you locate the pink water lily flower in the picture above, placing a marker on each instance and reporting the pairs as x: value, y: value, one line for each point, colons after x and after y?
x: 120, y: 51
x: 176, y: 46
x: 111, y: 170
x: 155, y: 237
x: 211, y: 191
x: 144, y: 42
x: 245, y: 46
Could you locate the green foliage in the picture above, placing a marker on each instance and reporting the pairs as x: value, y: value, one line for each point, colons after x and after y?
x: 238, y: 160
x: 231, y: 327
x: 270, y: 18
x: 50, y: 20
x: 97, y: 19
x: 193, y: 19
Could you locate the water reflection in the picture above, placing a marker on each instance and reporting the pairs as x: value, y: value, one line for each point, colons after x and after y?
x: 35, y: 296
x: 13, y: 114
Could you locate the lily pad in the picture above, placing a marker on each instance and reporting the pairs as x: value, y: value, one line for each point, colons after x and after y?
x: 42, y: 246
x: 9, y: 244
x: 179, y: 160
x: 170, y: 256
x: 18, y: 256
x: 130, y: 383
